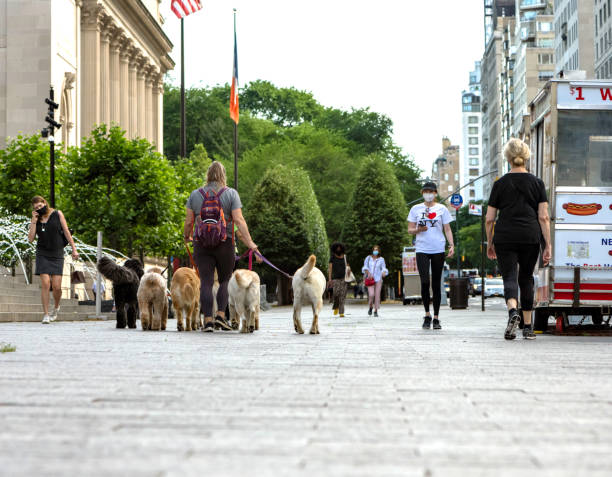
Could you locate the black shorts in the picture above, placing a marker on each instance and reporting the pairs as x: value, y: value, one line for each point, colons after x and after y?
x: 49, y: 265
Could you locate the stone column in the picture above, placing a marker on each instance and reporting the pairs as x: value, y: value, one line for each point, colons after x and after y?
x: 90, y: 66
x: 157, y: 113
x: 124, y: 82
x: 105, y: 71
x: 149, y: 104
x: 141, y: 130
x: 115, y: 77
x: 132, y: 129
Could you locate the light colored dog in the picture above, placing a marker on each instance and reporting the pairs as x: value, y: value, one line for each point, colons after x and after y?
x: 152, y: 300
x: 308, y: 287
x: 185, y: 293
x: 243, y: 291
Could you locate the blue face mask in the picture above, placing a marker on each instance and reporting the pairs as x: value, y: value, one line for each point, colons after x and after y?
x: 375, y: 252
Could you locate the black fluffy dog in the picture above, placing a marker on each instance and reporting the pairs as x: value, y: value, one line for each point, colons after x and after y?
x: 125, y: 287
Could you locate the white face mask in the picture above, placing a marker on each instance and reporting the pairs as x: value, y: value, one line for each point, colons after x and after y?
x: 429, y: 196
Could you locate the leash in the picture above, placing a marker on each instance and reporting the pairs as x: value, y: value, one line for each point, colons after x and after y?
x: 250, y: 254
x: 192, y: 262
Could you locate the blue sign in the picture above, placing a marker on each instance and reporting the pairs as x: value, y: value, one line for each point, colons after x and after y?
x: 456, y: 200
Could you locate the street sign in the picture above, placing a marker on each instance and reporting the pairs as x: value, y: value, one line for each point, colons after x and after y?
x: 456, y: 201
x: 475, y: 209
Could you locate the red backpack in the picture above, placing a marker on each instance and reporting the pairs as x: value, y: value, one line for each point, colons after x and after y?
x: 212, y: 228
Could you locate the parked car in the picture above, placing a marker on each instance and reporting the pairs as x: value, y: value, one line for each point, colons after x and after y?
x: 494, y: 287
x: 477, y: 286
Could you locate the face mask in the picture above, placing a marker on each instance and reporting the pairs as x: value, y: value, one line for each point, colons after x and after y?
x: 429, y: 196
x: 375, y: 252
x: 42, y: 210
x: 339, y: 251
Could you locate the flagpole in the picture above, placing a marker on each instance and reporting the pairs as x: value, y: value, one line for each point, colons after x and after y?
x: 235, y: 123
x: 183, y: 148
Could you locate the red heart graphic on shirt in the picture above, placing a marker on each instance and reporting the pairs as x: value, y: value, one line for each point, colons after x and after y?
x: 431, y: 215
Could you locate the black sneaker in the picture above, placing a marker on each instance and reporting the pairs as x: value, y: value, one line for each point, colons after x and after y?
x: 528, y: 333
x: 427, y: 322
x: 370, y: 311
x: 376, y: 314
x: 436, y: 324
x: 209, y: 327
x: 513, y: 323
x: 222, y: 324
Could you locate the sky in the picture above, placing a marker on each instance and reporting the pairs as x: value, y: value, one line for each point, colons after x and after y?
x: 407, y: 59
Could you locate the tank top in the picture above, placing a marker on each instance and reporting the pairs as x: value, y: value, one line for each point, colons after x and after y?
x: 50, y: 241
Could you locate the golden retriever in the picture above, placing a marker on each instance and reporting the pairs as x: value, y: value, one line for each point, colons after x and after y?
x: 185, y: 293
x: 308, y: 287
x: 152, y: 300
x: 243, y: 295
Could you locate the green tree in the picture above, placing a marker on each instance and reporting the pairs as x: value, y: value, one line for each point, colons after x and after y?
x: 377, y: 215
x: 125, y: 189
x: 24, y: 172
x: 407, y: 173
x: 286, y: 222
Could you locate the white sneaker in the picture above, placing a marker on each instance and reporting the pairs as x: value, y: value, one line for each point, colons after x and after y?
x: 53, y: 314
x: 46, y: 320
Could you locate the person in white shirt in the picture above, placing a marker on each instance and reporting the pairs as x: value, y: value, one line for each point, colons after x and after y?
x: 374, y: 270
x: 427, y: 221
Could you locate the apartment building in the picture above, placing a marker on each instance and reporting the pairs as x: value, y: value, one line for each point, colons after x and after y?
x: 445, y: 171
x: 471, y: 159
x: 574, y: 36
x: 603, y: 39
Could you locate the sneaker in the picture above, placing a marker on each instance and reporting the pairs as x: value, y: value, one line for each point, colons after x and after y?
x: 376, y: 314
x: 528, y: 333
x: 436, y: 324
x: 46, y: 320
x: 426, y: 322
x: 341, y: 315
x: 222, y: 324
x: 53, y: 314
x: 335, y: 311
x: 209, y: 327
x: 513, y: 322
x: 370, y: 311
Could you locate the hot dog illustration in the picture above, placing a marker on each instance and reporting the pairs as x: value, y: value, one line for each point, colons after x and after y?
x: 582, y: 209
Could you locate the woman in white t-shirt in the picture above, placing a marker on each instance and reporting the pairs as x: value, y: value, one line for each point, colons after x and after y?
x: 427, y: 221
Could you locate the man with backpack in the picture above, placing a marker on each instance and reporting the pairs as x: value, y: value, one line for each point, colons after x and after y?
x: 211, y: 212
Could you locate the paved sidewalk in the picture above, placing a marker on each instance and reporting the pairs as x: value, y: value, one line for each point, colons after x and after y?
x: 367, y: 397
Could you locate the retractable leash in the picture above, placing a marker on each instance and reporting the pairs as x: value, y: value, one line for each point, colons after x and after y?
x: 264, y: 259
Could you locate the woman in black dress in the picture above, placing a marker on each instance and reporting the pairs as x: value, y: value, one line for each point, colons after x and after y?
x: 49, y: 225
x: 336, y: 274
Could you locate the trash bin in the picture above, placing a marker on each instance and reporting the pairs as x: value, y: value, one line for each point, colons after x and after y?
x: 458, y: 293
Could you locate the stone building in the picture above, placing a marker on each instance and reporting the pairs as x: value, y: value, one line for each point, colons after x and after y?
x: 446, y: 169
x: 603, y: 39
x: 105, y: 59
x: 471, y: 160
x: 574, y: 36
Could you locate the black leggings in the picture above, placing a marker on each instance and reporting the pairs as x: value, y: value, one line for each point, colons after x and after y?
x: 223, y: 259
x: 437, y: 264
x: 526, y: 256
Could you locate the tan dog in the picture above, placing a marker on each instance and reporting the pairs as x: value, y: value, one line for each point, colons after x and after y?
x: 185, y: 293
x: 152, y: 300
x: 243, y: 291
x: 308, y: 287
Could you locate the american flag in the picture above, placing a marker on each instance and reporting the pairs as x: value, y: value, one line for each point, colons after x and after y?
x: 234, y: 108
x: 182, y: 8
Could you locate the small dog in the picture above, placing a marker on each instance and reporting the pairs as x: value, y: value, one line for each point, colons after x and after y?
x: 152, y: 300
x: 243, y: 291
x: 308, y: 287
x: 185, y: 292
x: 126, y: 280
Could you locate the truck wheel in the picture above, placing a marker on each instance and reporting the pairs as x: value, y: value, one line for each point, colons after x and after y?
x: 405, y: 301
x: 597, y: 318
x: 540, y: 319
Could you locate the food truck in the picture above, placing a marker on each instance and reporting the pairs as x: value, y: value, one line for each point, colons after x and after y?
x: 571, y: 144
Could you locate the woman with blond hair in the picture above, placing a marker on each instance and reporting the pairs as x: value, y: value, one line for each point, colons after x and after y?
x: 49, y: 225
x: 522, y: 225
x: 215, y: 254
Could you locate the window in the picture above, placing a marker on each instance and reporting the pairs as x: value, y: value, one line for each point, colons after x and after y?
x: 445, y: 177
x: 473, y: 151
x: 473, y: 119
x: 472, y: 194
x: 473, y: 161
x: 473, y: 172
x: 473, y: 130
x: 456, y: 176
x: 450, y: 188
x: 473, y: 140
x: 545, y: 75
x: 545, y: 26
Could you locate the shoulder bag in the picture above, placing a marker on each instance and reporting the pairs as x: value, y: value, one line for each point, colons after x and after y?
x: 348, y: 274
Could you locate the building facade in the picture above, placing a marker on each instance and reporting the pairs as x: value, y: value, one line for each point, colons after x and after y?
x: 471, y: 158
x: 534, y: 55
x: 603, y: 39
x: 105, y: 60
x: 574, y: 36
x: 446, y: 170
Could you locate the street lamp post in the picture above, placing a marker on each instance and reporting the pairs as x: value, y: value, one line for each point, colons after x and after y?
x: 48, y: 133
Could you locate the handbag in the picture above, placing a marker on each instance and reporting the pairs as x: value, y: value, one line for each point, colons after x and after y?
x: 369, y: 282
x: 77, y: 277
x: 348, y: 275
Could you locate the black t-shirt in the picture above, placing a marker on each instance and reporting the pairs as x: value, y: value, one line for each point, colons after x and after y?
x: 338, y: 267
x: 517, y: 197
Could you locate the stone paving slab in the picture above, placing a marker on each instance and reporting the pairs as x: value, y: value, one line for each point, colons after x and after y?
x: 367, y: 397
